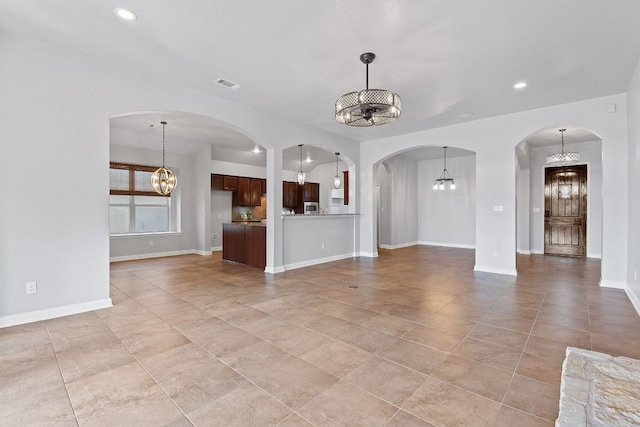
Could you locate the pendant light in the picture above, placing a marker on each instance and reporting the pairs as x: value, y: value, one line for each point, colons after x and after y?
x: 368, y: 107
x: 563, y: 157
x: 337, y: 182
x: 301, y: 176
x: 163, y: 180
x: 445, y: 177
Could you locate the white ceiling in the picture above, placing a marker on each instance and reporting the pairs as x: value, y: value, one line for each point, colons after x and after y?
x: 295, y: 57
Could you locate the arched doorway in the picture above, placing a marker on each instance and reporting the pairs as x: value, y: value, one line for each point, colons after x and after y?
x: 409, y: 210
x: 532, y: 212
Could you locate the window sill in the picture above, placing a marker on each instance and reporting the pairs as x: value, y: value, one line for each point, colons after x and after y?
x: 157, y: 233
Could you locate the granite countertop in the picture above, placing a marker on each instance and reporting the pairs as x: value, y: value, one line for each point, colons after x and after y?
x: 253, y: 223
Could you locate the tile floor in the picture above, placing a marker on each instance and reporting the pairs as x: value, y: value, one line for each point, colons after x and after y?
x: 412, y: 338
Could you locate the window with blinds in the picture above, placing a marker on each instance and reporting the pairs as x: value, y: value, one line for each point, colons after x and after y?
x: 134, y: 206
x: 131, y: 180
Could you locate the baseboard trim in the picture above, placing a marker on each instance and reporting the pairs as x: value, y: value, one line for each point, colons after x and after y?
x: 158, y: 255
x: 274, y: 270
x: 367, y: 254
x: 302, y: 264
x: 597, y: 256
x: 536, y: 252
x: 523, y: 252
x: 52, y: 313
x: 448, y: 245
x: 505, y: 271
x: 398, y: 246
x: 216, y: 248
x: 614, y: 284
x: 635, y: 299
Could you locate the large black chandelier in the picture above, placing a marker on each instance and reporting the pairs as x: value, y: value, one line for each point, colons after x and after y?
x: 368, y: 107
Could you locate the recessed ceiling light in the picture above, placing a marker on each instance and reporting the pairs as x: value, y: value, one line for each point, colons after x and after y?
x: 466, y: 115
x: 308, y: 159
x: 520, y: 85
x: 125, y: 14
x: 256, y: 150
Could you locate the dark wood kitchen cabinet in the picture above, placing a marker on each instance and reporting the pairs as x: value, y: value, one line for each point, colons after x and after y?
x: 230, y: 183
x: 244, y: 191
x: 224, y: 182
x: 245, y: 244
x: 256, y: 192
x: 290, y: 194
x: 345, y: 181
x: 255, y: 247
x: 216, y: 181
x: 233, y: 242
x: 311, y: 192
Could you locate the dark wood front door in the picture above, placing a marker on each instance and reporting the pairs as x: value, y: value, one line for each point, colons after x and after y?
x: 565, y: 211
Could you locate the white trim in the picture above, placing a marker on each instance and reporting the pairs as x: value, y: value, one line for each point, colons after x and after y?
x: 52, y: 313
x: 398, y: 246
x: 614, y: 284
x: 274, y: 270
x: 367, y: 254
x: 633, y: 297
x: 158, y: 255
x: 537, y: 252
x: 318, y: 261
x: 216, y: 248
x: 598, y: 256
x: 448, y: 245
x: 523, y: 251
x: 151, y: 234
x: 506, y: 271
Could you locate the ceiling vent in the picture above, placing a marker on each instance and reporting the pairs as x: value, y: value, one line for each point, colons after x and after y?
x: 228, y: 83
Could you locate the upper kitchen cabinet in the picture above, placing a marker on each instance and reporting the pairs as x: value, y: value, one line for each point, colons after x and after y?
x: 249, y: 191
x: 289, y: 194
x: 256, y: 191
x: 311, y: 192
x: 244, y: 191
x: 224, y: 182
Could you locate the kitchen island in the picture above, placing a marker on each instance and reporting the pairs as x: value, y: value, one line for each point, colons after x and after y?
x: 245, y: 243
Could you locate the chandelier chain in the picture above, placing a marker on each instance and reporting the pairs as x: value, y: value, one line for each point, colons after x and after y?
x: 163, y: 144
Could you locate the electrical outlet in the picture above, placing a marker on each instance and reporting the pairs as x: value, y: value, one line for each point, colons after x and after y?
x: 495, y: 253
x: 215, y: 235
x: 150, y: 242
x: 322, y: 246
x: 32, y: 287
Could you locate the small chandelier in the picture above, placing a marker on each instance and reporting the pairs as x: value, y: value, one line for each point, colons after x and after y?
x: 163, y: 180
x: 563, y: 157
x: 337, y: 182
x: 444, y: 177
x: 301, y: 176
x: 368, y: 107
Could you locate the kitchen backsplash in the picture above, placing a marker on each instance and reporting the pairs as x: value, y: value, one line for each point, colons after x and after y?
x: 240, y: 213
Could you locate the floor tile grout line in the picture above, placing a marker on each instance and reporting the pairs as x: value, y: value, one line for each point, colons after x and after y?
x: 64, y: 383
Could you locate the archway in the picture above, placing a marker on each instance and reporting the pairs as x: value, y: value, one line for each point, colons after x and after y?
x: 530, y: 193
x: 408, y: 209
x: 196, y: 147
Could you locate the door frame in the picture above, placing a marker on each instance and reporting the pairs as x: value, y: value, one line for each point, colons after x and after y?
x: 588, y: 225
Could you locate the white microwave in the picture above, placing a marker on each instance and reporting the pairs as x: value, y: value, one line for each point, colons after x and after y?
x: 311, y: 208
